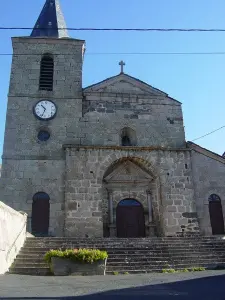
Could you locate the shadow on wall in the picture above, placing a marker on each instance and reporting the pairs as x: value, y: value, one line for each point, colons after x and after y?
x: 206, y: 288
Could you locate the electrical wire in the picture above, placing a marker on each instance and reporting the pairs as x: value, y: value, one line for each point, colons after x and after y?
x: 208, y: 133
x: 121, y: 53
x: 123, y: 29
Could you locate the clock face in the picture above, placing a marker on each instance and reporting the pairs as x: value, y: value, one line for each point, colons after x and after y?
x: 45, y: 110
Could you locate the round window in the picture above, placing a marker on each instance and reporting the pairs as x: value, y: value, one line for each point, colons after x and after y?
x: 43, y: 135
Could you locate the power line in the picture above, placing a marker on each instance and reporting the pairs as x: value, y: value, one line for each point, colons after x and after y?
x: 208, y: 133
x: 123, y: 29
x: 121, y: 53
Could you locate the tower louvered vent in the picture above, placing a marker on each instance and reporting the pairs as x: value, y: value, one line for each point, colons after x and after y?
x: 46, y: 73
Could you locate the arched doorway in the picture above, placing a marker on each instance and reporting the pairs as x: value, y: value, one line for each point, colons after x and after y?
x: 130, y: 220
x: 216, y: 214
x: 40, y: 214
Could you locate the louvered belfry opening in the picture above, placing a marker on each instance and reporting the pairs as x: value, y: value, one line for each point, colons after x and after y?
x: 46, y: 73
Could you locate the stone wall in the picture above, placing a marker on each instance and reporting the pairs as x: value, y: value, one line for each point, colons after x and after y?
x: 157, y: 121
x: 25, y: 72
x: 12, y: 235
x: 22, y: 126
x: 22, y: 179
x: 85, y: 195
x: 209, y: 178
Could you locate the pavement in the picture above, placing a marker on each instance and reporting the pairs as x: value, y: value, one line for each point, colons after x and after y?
x: 205, y: 285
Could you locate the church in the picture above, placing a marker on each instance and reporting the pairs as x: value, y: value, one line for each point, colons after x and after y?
x: 107, y: 160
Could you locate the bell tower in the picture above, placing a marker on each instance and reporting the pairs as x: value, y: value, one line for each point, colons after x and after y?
x: 45, y: 98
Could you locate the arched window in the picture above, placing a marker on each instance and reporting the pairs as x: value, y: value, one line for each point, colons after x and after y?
x: 128, y: 137
x: 214, y: 197
x: 129, y: 202
x: 46, y: 73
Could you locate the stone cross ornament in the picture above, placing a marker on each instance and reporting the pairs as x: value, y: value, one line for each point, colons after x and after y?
x: 122, y: 64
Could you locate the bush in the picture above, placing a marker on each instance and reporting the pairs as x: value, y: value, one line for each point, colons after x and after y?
x: 196, y: 269
x: 184, y: 270
x: 169, y: 271
x: 80, y: 255
x: 115, y: 273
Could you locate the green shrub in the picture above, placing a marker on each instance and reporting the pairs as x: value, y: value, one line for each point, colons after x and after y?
x: 126, y: 273
x: 184, y: 270
x: 81, y: 255
x: 196, y: 269
x: 115, y: 273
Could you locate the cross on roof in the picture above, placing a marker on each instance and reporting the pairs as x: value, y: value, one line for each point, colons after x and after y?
x: 122, y: 64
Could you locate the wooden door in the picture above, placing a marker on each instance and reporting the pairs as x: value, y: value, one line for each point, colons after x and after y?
x: 216, y: 217
x: 40, y: 214
x: 130, y: 221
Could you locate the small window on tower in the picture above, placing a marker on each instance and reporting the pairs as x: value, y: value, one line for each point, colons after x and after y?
x: 128, y: 137
x: 46, y: 73
x: 126, y: 141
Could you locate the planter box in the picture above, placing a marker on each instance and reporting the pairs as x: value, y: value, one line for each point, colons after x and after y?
x: 65, y: 267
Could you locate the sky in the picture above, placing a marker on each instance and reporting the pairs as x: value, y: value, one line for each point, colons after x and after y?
x: 198, y: 81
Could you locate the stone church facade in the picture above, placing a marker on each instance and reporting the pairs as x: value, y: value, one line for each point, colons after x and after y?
x: 110, y: 159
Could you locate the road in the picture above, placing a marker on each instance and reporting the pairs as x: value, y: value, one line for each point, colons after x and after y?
x: 207, y: 285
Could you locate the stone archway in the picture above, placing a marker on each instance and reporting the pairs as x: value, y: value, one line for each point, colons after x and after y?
x: 40, y: 214
x: 130, y: 221
x: 131, y: 178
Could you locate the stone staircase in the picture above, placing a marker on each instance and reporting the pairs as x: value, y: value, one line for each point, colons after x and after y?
x: 129, y: 255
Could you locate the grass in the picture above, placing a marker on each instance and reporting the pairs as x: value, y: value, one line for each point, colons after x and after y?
x: 186, y: 270
x: 115, y: 273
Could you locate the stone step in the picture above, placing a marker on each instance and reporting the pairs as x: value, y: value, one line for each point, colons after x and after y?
x: 105, y: 246
x: 29, y: 264
x: 41, y: 271
x: 128, y: 255
x: 124, y: 241
x: 133, y: 251
x: 139, y: 271
x: 28, y: 257
x: 122, y: 263
x: 218, y: 237
x: 179, y: 266
x: 119, y: 258
x: 172, y: 244
x: 175, y: 261
x: 118, y: 247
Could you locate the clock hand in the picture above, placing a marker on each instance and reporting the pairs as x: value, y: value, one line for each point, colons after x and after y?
x: 44, y: 110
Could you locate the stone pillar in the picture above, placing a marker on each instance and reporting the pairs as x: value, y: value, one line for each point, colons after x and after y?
x: 151, y: 226
x: 150, y: 212
x: 112, y: 226
x: 110, y: 207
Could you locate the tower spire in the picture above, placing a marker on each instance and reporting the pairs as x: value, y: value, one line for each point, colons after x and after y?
x: 51, y: 22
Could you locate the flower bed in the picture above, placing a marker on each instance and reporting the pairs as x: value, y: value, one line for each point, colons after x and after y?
x: 77, y: 261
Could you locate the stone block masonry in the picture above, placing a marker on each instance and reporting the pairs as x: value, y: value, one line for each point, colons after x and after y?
x: 86, y: 198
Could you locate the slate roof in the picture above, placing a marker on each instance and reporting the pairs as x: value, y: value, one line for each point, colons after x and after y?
x: 50, y: 22
x: 206, y: 152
